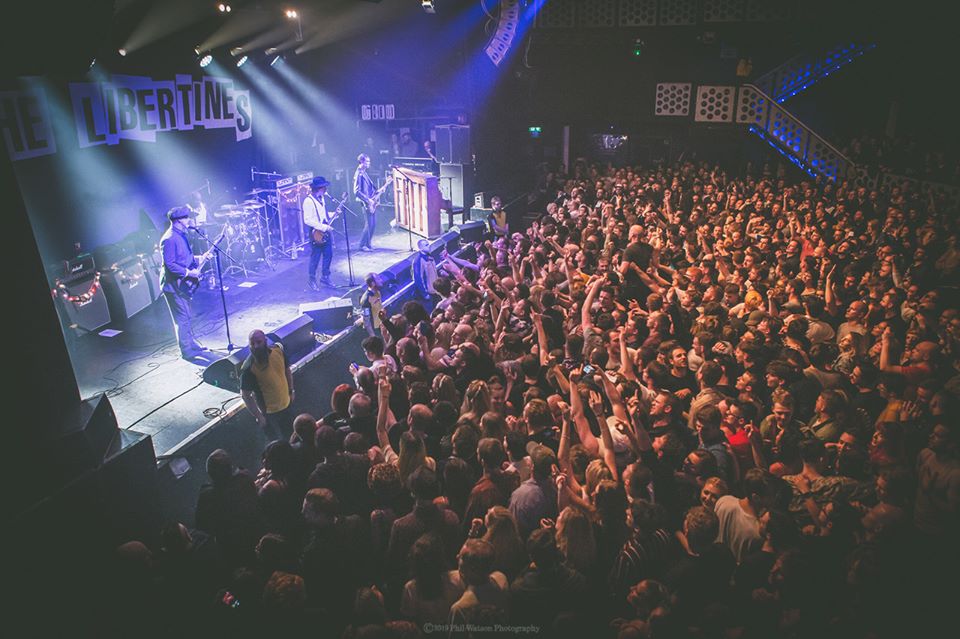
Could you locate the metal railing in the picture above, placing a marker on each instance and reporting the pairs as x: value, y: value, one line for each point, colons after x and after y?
x: 801, y: 71
x: 775, y: 124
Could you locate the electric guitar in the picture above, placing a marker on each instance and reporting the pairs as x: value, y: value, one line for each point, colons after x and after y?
x: 374, y: 201
x: 188, y: 284
x: 317, y: 236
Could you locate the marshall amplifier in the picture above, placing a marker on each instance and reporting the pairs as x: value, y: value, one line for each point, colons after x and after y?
x: 153, y: 265
x: 79, y: 265
x: 84, y: 304
x: 127, y: 287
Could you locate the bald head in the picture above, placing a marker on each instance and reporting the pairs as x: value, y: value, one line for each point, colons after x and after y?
x: 420, y: 417
x: 360, y: 406
x: 925, y: 352
x: 258, y: 344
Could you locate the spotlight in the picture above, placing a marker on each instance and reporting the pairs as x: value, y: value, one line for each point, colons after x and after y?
x: 196, y: 49
x: 428, y: 6
x: 277, y: 60
x: 271, y: 51
x: 236, y: 51
x: 122, y: 52
x: 206, y: 60
x: 242, y: 61
x: 224, y: 8
x: 291, y: 13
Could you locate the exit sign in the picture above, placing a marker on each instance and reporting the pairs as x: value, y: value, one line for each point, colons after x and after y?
x: 377, y: 112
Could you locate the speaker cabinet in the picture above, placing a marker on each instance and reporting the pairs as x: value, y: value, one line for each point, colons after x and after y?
x: 331, y: 315
x: 84, y: 303
x: 453, y: 144
x: 480, y: 214
x: 296, y: 336
x: 127, y: 288
x: 456, y: 184
x: 225, y: 372
x: 472, y: 231
x: 153, y: 266
x: 81, y: 441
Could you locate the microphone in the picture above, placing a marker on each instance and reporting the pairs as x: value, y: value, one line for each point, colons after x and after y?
x: 207, y: 182
x: 252, y: 169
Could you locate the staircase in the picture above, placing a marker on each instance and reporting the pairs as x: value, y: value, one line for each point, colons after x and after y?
x: 779, y: 128
x: 806, y: 69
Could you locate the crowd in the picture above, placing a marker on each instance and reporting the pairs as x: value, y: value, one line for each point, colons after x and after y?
x: 681, y: 403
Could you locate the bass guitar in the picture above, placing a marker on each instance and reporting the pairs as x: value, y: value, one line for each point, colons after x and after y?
x: 187, y: 284
x: 371, y: 204
x: 317, y: 236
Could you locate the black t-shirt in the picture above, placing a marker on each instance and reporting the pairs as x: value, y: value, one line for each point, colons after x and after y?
x: 639, y: 253
x: 673, y: 383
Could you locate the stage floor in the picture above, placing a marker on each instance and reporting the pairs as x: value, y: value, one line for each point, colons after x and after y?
x: 154, y: 391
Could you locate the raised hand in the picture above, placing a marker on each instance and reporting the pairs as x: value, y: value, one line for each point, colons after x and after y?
x: 384, y: 387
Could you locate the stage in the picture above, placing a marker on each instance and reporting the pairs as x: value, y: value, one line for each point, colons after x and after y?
x: 154, y: 391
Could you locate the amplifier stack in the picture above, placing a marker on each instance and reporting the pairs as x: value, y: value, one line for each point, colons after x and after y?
x: 80, y: 293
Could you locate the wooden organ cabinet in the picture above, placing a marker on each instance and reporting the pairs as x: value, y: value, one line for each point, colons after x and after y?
x: 417, y: 199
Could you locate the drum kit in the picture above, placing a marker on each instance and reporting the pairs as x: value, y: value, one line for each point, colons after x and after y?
x: 246, y: 235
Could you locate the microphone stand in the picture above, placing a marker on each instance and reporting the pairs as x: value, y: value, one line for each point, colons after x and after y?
x: 217, y: 252
x: 346, y: 236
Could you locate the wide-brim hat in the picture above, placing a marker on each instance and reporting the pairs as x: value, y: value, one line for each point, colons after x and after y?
x: 318, y: 182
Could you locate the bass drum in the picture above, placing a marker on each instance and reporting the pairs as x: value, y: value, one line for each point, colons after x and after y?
x: 246, y: 250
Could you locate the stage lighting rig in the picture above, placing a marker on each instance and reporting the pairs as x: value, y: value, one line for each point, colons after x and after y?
x: 242, y: 61
x: 293, y: 14
x: 122, y: 52
x: 224, y: 8
x: 428, y: 6
x: 206, y: 60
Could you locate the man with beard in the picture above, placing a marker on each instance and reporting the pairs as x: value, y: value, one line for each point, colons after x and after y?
x: 266, y: 386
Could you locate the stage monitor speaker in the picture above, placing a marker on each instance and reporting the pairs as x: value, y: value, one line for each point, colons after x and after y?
x: 225, y: 372
x: 129, y: 488
x: 81, y: 441
x: 398, y: 274
x: 453, y: 144
x: 456, y: 184
x: 84, y: 302
x: 472, y: 231
x: 296, y: 337
x: 331, y: 315
x: 127, y: 288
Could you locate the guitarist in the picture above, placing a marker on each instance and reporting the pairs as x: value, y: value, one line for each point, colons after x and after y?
x: 316, y: 217
x: 365, y: 191
x: 179, y: 262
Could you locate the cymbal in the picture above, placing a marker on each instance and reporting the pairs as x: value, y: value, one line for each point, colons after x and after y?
x: 253, y: 204
x: 232, y: 214
x: 257, y: 191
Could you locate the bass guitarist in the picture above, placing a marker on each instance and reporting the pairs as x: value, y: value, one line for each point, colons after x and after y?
x: 365, y: 191
x: 319, y: 221
x: 179, y: 265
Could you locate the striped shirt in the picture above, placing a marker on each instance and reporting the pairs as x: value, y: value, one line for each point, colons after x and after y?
x: 645, y: 555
